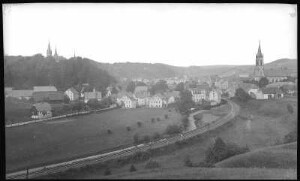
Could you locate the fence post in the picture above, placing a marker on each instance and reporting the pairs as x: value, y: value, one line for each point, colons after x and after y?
x: 27, y: 173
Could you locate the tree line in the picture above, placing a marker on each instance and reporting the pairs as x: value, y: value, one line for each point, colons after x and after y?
x: 25, y: 72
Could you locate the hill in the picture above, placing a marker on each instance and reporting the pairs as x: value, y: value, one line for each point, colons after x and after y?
x: 281, y: 156
x: 24, y: 72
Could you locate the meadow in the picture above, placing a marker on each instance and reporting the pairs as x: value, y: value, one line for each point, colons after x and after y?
x: 264, y: 129
x: 64, y: 139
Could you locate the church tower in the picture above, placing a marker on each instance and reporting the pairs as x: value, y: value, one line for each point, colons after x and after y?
x: 56, y: 56
x: 259, y: 67
x: 49, y: 51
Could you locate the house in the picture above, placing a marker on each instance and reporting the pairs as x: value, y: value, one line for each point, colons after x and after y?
x: 157, y: 101
x: 121, y: 96
x: 129, y: 102
x: 72, y: 93
x: 48, y: 96
x: 44, y: 88
x: 199, y: 93
x: 92, y: 95
x: 20, y: 94
x: 276, y: 75
x: 41, y: 110
x: 142, y: 99
x: 214, y: 96
x: 247, y: 86
x: 272, y: 93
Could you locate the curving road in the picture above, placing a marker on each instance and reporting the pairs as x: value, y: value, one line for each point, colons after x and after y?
x: 55, y: 168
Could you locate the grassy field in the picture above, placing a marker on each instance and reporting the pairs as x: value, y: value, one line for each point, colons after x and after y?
x: 206, y: 173
x: 271, y: 157
x: 263, y: 131
x: 17, y: 110
x: 63, y: 139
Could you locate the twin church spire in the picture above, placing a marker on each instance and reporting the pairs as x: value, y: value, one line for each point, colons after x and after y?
x: 49, y: 52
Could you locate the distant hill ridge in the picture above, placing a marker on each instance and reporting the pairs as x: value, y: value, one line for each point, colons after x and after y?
x: 158, y: 70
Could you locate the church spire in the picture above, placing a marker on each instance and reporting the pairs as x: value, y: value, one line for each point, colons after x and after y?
x: 49, y: 51
x: 259, y: 54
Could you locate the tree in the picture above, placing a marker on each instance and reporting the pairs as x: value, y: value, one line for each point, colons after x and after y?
x: 139, y: 83
x: 263, y: 82
x: 158, y: 119
x: 128, y: 128
x: 290, y: 108
x: 109, y: 131
x: 132, y: 168
x: 242, y: 95
x: 166, y: 116
x: 160, y: 87
x: 152, y: 120
x: 185, y: 103
x: 130, y: 87
x: 114, y: 90
x: 180, y: 87
x: 66, y: 99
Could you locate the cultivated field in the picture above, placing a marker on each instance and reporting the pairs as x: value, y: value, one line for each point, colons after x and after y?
x: 63, y: 139
x: 263, y: 131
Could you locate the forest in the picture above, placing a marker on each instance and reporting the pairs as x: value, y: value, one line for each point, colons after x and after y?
x: 22, y: 72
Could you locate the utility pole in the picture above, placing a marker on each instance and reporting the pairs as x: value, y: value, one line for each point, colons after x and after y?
x: 27, y: 173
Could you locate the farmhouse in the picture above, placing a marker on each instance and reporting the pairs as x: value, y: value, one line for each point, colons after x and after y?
x: 48, y: 96
x: 142, y: 99
x: 92, y: 95
x: 272, y: 93
x: 256, y: 94
x: 41, y: 110
x: 20, y: 94
x: 44, y: 88
x: 72, y: 93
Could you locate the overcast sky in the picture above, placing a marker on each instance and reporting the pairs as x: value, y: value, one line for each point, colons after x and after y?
x: 175, y: 34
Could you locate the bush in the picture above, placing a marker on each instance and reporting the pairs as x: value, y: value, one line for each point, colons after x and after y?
x: 132, y: 168
x: 220, y: 151
x: 158, y: 119
x: 128, y: 128
x: 139, y: 124
x: 185, y: 122
x: 107, y: 171
x: 290, y: 108
x: 140, y: 156
x: 109, y: 131
x: 173, y: 129
x: 198, y: 117
x: 146, y: 139
x: 152, y: 164
x: 242, y: 95
x: 156, y: 136
x: 152, y: 120
x: 166, y: 116
x: 188, y: 162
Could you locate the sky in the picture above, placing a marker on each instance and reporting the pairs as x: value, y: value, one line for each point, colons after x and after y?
x: 174, y: 34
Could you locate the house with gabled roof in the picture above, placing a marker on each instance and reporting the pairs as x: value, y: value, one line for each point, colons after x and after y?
x: 272, y: 93
x: 20, y: 94
x: 44, y: 88
x: 41, y: 110
x: 72, y: 93
x: 92, y: 95
x: 157, y: 101
x: 48, y: 96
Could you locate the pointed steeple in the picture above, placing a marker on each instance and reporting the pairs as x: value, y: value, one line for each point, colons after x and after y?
x: 55, y: 54
x: 259, y: 54
x: 49, y: 51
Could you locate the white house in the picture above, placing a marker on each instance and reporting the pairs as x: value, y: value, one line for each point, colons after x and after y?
x: 129, y: 102
x: 199, y: 93
x: 72, y: 93
x: 214, y: 96
x: 172, y: 96
x: 157, y: 101
x: 272, y: 93
x: 256, y: 94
